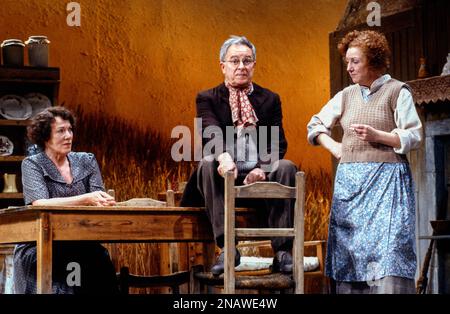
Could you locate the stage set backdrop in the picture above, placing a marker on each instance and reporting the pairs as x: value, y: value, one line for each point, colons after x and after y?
x: 145, y: 60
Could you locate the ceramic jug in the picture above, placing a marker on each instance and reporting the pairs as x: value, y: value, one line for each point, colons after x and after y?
x: 12, y: 51
x: 10, y: 183
x: 38, y: 51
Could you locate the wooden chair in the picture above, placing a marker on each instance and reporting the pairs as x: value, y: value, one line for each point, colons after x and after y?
x: 263, y: 280
x: 264, y: 190
x: 174, y: 281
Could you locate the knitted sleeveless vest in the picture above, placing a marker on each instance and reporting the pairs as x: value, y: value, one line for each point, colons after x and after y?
x: 378, y: 112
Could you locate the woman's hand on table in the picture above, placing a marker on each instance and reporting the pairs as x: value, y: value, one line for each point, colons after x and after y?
x: 99, y: 198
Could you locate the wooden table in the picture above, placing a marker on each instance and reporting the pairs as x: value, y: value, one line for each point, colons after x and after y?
x: 45, y: 224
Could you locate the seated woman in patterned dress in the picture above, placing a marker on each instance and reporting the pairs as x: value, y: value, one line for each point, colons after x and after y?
x: 58, y: 176
x: 371, y: 245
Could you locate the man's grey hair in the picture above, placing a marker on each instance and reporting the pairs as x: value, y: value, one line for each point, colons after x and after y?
x: 236, y: 40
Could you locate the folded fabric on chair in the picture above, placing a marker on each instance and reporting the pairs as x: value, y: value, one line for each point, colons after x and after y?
x: 249, y: 263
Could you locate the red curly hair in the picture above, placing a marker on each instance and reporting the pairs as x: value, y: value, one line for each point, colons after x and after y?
x: 373, y: 44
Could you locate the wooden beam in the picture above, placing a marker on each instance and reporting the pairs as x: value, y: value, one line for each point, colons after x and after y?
x: 139, y: 227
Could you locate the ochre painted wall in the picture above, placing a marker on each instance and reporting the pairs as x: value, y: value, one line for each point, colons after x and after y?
x: 145, y: 60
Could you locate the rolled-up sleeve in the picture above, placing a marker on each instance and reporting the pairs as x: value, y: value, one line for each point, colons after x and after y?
x: 323, y: 121
x: 409, y: 127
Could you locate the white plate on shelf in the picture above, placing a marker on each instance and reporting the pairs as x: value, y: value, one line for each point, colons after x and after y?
x: 14, y: 107
x: 6, y: 146
x: 38, y: 102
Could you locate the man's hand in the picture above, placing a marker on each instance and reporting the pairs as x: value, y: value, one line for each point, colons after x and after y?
x: 226, y: 164
x: 256, y: 174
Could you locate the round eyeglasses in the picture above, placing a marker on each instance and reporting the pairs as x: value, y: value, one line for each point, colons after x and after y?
x: 236, y: 62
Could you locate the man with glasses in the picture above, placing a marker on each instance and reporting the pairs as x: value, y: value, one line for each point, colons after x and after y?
x: 251, y: 112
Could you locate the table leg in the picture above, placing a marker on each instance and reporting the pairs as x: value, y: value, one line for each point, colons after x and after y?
x: 44, y: 255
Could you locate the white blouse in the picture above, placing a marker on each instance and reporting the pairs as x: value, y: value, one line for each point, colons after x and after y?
x: 409, y: 127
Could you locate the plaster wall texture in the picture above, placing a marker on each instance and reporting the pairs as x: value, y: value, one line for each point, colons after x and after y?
x: 146, y: 60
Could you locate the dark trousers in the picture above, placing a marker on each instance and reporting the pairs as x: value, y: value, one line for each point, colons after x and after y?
x: 98, y: 275
x: 277, y: 213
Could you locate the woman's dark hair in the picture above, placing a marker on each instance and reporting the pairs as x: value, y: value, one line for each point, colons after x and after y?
x: 41, y: 125
x: 373, y: 44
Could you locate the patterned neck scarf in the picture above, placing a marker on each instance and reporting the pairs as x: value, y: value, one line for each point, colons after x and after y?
x: 241, y: 109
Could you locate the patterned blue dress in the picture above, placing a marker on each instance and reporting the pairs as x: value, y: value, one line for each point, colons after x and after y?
x: 372, y: 223
x: 42, y: 180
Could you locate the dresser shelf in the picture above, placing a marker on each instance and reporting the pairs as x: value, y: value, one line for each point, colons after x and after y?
x: 21, y: 81
x: 11, y: 158
x: 15, y: 122
x: 11, y: 195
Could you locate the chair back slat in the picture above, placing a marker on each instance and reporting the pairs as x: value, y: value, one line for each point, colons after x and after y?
x: 264, y: 190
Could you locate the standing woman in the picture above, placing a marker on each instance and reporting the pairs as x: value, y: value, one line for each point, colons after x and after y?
x: 58, y: 176
x: 371, y: 242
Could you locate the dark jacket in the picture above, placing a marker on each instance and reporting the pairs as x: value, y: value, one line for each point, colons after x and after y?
x: 213, y: 107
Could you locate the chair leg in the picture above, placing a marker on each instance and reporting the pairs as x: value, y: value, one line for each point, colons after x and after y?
x: 230, y: 251
x: 123, y: 282
x: 195, y: 287
x: 299, y: 227
x: 325, y: 285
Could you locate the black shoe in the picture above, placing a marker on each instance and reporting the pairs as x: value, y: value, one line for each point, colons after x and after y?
x: 219, y: 266
x: 282, y: 262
